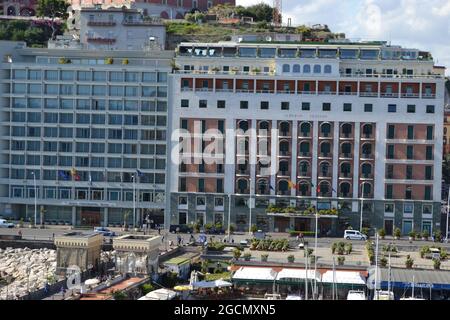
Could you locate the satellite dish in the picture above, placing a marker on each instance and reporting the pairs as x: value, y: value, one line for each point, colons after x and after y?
x: 269, y: 38
x: 240, y: 39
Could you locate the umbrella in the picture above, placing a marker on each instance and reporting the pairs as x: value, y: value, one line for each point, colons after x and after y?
x: 211, y: 284
x: 182, y: 288
x: 221, y: 283
x: 161, y: 294
x: 91, y: 282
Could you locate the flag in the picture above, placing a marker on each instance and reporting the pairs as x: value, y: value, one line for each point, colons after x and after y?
x: 318, y: 189
x: 63, y: 175
x: 75, y: 174
x: 270, y: 187
x: 334, y: 190
x: 139, y: 173
x: 292, y: 185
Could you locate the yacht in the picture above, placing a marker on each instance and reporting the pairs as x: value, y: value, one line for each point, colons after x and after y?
x: 356, y: 295
x: 384, y: 295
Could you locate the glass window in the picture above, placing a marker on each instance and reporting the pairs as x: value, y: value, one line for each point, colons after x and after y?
x: 51, y: 75
x: 67, y: 75
x: 35, y: 88
x: 306, y: 68
x: 149, y: 91
x: 162, y: 77
x: 84, y: 76
x: 83, y: 104
x: 84, y: 90
x: 116, y: 91
x: 131, y: 76
x: 99, y: 76
x: 99, y: 90
x: 149, y: 77
x: 116, y: 76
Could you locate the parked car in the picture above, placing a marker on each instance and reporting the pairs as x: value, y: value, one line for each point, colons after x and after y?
x: 354, y: 235
x: 5, y: 224
x: 105, y: 231
x: 182, y: 228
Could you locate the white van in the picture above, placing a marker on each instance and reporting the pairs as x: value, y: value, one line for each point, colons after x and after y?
x: 354, y: 235
x: 6, y: 224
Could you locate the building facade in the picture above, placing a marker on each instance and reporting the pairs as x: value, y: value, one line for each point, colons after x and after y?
x: 341, y: 129
x: 83, y: 134
x: 118, y: 29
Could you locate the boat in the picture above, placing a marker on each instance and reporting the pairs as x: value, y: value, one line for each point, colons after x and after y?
x: 384, y: 295
x: 412, y: 296
x: 272, y: 296
x: 293, y: 297
x: 356, y: 295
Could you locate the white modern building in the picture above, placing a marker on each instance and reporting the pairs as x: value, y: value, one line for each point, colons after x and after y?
x: 83, y: 134
x: 359, y: 130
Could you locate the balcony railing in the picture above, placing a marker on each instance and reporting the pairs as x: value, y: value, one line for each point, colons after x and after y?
x: 101, y: 23
x: 388, y: 95
x: 101, y: 40
x: 410, y: 95
x: 368, y: 94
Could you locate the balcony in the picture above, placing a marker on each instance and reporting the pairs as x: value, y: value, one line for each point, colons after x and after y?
x: 388, y: 95
x: 369, y: 94
x: 304, y: 174
x: 346, y: 156
x: 428, y: 96
x: 350, y: 93
x: 345, y: 175
x: 284, y: 174
x: 304, y: 154
x: 409, y: 95
x: 368, y: 156
x: 326, y: 92
x: 101, y: 40
x: 101, y: 23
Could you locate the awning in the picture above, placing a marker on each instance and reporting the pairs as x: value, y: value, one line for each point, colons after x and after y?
x: 160, y: 294
x: 247, y: 274
x: 296, y: 275
x: 211, y: 284
x: 343, y: 278
x: 428, y: 279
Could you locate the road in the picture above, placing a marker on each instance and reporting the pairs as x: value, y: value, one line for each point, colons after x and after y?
x: 50, y: 231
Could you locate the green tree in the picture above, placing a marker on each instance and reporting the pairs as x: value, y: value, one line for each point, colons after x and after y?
x: 259, y: 12
x: 53, y: 9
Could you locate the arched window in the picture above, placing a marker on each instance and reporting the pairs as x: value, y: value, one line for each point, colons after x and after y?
x: 327, y: 68
x: 285, y: 128
x: 296, y: 68
x: 242, y: 185
x: 305, y: 129
x: 306, y: 68
x: 345, y: 189
x: 304, y: 188
x: 317, y: 68
x: 243, y: 125
x: 325, y: 149
x: 346, y: 149
x: 367, y: 130
x: 366, y: 170
x: 286, y: 68
x: 304, y: 148
x: 345, y: 169
x: 284, y: 166
x: 283, y: 187
x: 325, y: 129
x: 367, y: 149
x: 367, y: 190
x: 303, y: 168
x: 284, y: 148
x: 264, y: 125
x: 263, y: 186
x: 324, y: 189
x: 243, y: 166
x: 324, y: 169
x: 346, y: 130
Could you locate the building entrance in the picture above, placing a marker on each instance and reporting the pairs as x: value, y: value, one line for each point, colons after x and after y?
x: 90, y: 216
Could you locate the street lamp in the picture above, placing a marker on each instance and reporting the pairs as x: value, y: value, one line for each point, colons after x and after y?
x: 35, y: 197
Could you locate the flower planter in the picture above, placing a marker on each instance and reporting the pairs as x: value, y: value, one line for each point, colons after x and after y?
x: 397, y: 238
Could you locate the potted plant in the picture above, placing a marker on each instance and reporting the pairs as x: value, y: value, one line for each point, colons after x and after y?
x: 109, y: 61
x: 20, y: 224
x: 237, y: 253
x: 291, y: 258
x: 437, y: 264
x: 424, y: 251
x: 334, y: 247
x: 365, y: 231
x: 308, y: 252
x: 382, y: 233
x: 125, y: 61
x: 437, y: 236
x: 444, y: 254
x: 247, y: 256
x: 383, y: 261
x: 348, y: 248
x: 397, y: 233
x: 256, y: 71
x: 125, y: 222
x: 341, y: 261
x: 341, y: 248
x: 214, y: 70
x: 32, y: 224
x: 254, y: 228
x: 412, y: 236
x: 63, y: 61
x: 409, y: 262
x: 425, y: 235
x: 264, y: 257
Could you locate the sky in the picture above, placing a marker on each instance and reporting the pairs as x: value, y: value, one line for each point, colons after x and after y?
x: 418, y: 24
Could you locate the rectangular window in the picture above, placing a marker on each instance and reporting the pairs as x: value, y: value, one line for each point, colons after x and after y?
x: 430, y: 109
x: 410, y: 132
x: 219, y: 185
x: 326, y: 106
x: 368, y: 107
x: 429, y: 132
x: 306, y: 106
x: 184, y: 103
x: 347, y: 107
x: 244, y: 104
x: 410, y: 152
x: 428, y: 173
x: 389, y: 191
x: 429, y: 153
x: 427, y: 195
x: 264, y: 105
x: 201, y: 185
x: 391, y: 131
x: 411, y: 108
x: 202, y: 104
x: 392, y: 108
x: 389, y: 171
x: 409, y: 172
x: 285, y: 106
x: 390, y: 151
x: 221, y: 104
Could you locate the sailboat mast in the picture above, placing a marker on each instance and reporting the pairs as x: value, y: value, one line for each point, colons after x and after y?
x: 376, y: 263
x: 389, y: 276
x: 413, y: 288
x: 306, y: 278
